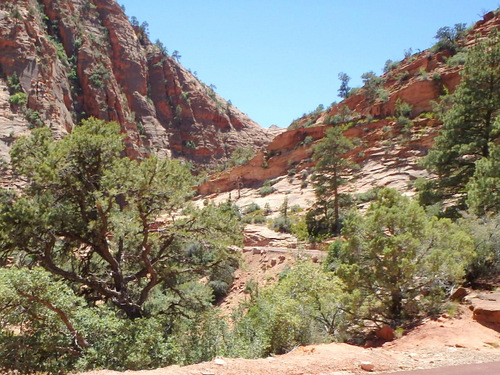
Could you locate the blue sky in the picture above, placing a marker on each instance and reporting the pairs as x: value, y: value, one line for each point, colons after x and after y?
x: 277, y: 59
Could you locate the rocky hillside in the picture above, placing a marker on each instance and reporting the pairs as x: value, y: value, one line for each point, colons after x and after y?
x: 392, y: 115
x: 80, y: 58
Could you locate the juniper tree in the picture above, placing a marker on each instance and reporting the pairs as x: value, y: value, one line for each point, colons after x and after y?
x: 397, y: 262
x: 114, y: 228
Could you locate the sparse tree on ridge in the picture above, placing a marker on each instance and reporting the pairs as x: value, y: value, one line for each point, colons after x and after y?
x: 328, y: 177
x: 176, y: 56
x: 344, y: 85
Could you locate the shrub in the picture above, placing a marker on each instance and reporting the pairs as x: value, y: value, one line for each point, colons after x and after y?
x: 402, y: 108
x: 14, y: 83
x: 390, y: 65
x: 382, y: 95
x: 34, y: 119
x: 308, y: 140
x: 99, y: 76
x: 303, y: 308
x: 405, y: 123
x: 423, y: 74
x: 241, y: 155
x: 57, y: 333
x: 448, y: 37
x: 403, y: 76
x: 281, y: 224
x: 372, y: 84
x: 221, y: 277
x: 18, y: 99
x: 368, y: 195
x: 259, y: 219
x: 252, y: 207
x: 485, y: 232
x: 354, y: 91
x: 397, y: 262
x: 457, y: 59
x: 266, y: 189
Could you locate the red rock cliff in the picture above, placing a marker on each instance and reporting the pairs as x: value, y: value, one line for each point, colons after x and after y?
x: 80, y: 58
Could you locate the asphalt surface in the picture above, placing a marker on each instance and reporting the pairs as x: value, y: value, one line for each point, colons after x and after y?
x: 492, y: 368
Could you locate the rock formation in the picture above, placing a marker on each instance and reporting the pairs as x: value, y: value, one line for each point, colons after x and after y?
x: 78, y: 58
x: 389, y: 148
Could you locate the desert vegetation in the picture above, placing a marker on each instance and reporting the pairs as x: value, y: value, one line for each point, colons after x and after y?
x: 106, y: 262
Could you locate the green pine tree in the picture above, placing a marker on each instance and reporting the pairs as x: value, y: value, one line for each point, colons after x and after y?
x: 329, y: 175
x: 469, y: 127
x: 483, y: 189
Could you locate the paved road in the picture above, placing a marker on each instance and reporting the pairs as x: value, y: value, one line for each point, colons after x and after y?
x: 492, y: 368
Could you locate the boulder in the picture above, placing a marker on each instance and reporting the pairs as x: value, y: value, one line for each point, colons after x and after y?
x: 385, y: 333
x: 486, y: 307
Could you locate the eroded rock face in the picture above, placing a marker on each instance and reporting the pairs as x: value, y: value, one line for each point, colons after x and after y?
x: 388, y: 154
x: 289, y: 150
x: 79, y: 58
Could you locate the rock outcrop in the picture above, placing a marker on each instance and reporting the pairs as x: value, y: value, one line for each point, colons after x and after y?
x: 485, y: 307
x: 78, y: 58
x: 390, y: 146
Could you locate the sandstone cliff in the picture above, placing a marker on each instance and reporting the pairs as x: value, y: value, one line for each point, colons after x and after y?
x: 80, y: 58
x: 390, y: 147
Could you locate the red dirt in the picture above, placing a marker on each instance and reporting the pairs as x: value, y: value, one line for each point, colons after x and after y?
x: 435, y: 343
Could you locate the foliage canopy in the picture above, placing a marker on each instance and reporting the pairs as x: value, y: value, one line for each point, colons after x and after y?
x: 470, y: 126
x: 114, y: 228
x: 397, y: 261
x: 328, y: 177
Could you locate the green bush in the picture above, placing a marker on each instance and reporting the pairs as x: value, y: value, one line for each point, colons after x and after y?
x: 448, y: 38
x: 241, y: 155
x: 405, y: 123
x: 34, y: 119
x: 397, y: 262
x: 373, y: 86
x: 403, y: 76
x: 307, y: 140
x: 252, y: 207
x: 18, y: 99
x: 259, y: 219
x: 14, y: 83
x: 281, y: 224
x: 485, y: 232
x: 266, y: 189
x: 457, y: 59
x: 423, y: 74
x: 390, y: 65
x: 221, y: 277
x: 303, y: 308
x: 56, y: 331
x: 403, y: 111
x: 368, y: 195
x: 382, y: 95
